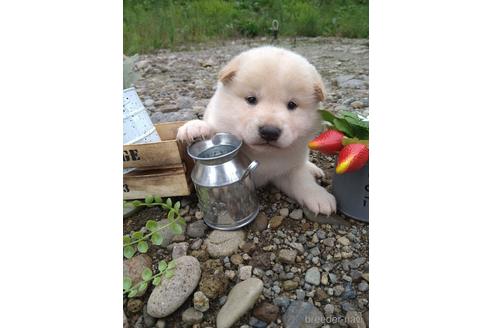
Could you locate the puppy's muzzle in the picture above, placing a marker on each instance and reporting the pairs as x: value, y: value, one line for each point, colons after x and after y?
x: 269, y: 133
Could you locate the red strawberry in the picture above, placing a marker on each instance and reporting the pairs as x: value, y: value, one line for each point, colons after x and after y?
x: 352, y: 157
x: 328, y: 142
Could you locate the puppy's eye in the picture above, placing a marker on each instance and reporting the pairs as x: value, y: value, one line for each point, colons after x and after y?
x: 291, y: 105
x: 251, y: 100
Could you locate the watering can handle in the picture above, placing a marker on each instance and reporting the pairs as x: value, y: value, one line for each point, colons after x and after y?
x: 251, y: 167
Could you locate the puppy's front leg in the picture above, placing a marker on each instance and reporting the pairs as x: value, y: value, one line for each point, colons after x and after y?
x: 300, y: 184
x: 194, y: 129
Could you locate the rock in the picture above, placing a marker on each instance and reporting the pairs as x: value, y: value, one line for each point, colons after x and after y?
x: 349, y: 292
x: 290, y: 285
x: 296, y: 214
x: 245, y: 272
x: 159, y: 117
x: 196, y: 244
x: 200, y: 301
x: 196, y: 229
x: 313, y: 276
x: 287, y: 256
x: 329, y: 309
x: 134, y: 305
x: 338, y: 290
x: 365, y: 276
x: 355, y: 319
x: 298, y: 247
x: 357, y: 104
x: 283, y: 302
x: 241, y: 298
x: 248, y: 247
x: 224, y: 243
x: 320, y: 295
x: 284, y: 212
x: 166, y: 233
x: 129, y: 210
x: 256, y: 323
x: 275, y: 222
x: 302, y: 315
x: 261, y: 260
x: 260, y: 223
x: 179, y: 250
x: 324, y: 279
x: 125, y: 321
x: 363, y: 286
x: 344, y: 241
x: 266, y: 312
x: 356, y: 263
x: 214, y: 282
x: 191, y: 316
x: 199, y: 215
x: 134, y: 267
x: 200, y: 254
x: 161, y: 323
x: 184, y: 102
x: 173, y: 292
x: 148, y: 103
x: 236, y: 259
x: 149, y: 321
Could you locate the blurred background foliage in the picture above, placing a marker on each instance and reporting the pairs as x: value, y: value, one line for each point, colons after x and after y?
x: 155, y: 24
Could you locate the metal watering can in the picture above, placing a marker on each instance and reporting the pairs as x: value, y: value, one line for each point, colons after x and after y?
x: 222, y: 178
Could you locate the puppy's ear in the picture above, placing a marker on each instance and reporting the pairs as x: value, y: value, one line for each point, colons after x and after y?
x: 319, y: 88
x: 228, y: 72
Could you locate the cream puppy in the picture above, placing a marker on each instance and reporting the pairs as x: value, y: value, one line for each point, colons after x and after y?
x: 269, y: 97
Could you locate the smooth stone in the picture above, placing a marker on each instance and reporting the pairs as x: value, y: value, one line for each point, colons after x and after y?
x: 149, y: 102
x: 173, y: 292
x: 196, y: 229
x: 224, y: 243
x: 284, y: 212
x: 192, y: 316
x: 302, y: 315
x: 313, y: 276
x: 149, y: 321
x: 256, y: 323
x: 241, y: 298
x: 245, y: 272
x: 290, y: 285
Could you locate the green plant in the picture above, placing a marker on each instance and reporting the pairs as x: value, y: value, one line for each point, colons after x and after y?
x: 137, y: 240
x: 165, y: 269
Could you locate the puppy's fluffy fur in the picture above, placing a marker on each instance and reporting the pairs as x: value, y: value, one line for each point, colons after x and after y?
x: 275, y: 77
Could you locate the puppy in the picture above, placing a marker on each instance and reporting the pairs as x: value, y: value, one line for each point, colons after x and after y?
x: 269, y: 97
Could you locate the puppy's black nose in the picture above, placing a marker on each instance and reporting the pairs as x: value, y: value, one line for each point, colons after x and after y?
x: 269, y: 133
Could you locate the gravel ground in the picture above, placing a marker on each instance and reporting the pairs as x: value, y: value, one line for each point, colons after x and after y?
x: 297, y: 260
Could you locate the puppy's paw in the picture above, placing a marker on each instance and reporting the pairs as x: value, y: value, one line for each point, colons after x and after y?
x: 194, y: 129
x: 320, y: 202
x: 315, y: 171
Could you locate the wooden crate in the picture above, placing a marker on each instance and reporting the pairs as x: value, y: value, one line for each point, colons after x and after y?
x: 163, y: 168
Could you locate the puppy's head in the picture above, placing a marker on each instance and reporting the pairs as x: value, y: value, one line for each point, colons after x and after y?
x: 269, y: 96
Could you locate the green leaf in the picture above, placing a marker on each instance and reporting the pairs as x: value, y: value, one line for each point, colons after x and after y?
x: 162, y: 265
x: 176, y: 228
x: 149, y: 199
x: 170, y: 215
x: 177, y: 206
x: 156, y: 238
x: 151, y: 225
x: 126, y: 240
x: 143, y: 286
x: 132, y: 293
x: 156, y: 281
x: 169, y: 274
x: 142, y: 246
x: 147, y: 274
x: 128, y: 251
x: 181, y: 221
x: 342, y: 125
x: 169, y: 202
x: 157, y: 199
x: 136, y: 203
x: 327, y: 116
x: 136, y: 235
x: 171, y: 265
x: 127, y: 283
